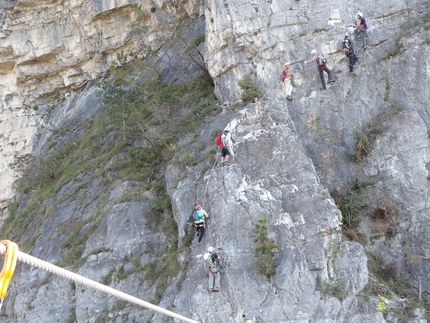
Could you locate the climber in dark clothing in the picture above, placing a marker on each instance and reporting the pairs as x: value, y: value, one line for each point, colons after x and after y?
x: 322, y: 67
x: 348, y: 49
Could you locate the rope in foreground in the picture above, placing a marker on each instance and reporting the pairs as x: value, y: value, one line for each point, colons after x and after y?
x: 35, y: 262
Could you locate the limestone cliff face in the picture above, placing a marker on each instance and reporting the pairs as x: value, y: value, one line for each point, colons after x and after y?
x: 295, y: 162
x: 51, y: 48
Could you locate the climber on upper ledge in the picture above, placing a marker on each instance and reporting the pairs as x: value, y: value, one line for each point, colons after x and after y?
x: 225, y: 150
x: 361, y: 27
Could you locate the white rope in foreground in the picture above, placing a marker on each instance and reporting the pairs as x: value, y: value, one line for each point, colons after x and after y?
x: 35, y: 262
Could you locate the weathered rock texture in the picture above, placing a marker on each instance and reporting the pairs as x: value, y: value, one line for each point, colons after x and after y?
x: 289, y: 155
x: 273, y: 179
x: 51, y: 48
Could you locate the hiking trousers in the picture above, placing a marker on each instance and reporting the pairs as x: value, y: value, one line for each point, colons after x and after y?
x: 361, y: 32
x: 214, y: 280
x: 352, y: 60
x: 288, y: 87
x: 321, y: 72
x: 201, y: 231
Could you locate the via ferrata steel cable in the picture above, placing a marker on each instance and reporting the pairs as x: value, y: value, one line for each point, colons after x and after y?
x: 35, y: 262
x: 8, y: 268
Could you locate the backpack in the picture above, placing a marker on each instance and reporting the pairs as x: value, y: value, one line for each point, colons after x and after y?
x: 211, y: 263
x: 218, y: 140
x: 322, y: 60
x: 346, y: 44
x: 364, y: 23
x: 197, y: 215
x: 282, y: 76
x: 208, y: 260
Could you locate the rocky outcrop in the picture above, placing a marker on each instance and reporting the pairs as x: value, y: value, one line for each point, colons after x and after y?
x: 271, y: 178
x: 291, y: 158
x: 375, y: 102
x: 50, y: 49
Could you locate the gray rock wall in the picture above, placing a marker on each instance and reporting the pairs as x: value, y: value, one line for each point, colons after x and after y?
x: 289, y: 156
x: 50, y: 49
x: 271, y: 178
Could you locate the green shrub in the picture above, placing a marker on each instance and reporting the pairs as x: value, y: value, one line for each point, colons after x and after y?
x: 102, y: 318
x: 263, y: 250
x: 195, y: 42
x: 414, y: 304
x: 249, y: 90
x: 118, y: 306
x: 136, y: 262
x: 336, y: 288
x: 121, y: 274
x: 133, y: 140
x: 72, y: 317
x: 177, y: 181
x: 362, y: 148
x: 12, y: 208
x: 121, y: 59
x: 72, y: 257
x: 186, y: 159
x: 351, y: 203
x: 370, y: 132
x: 150, y: 273
x: 107, y: 280
x: 188, y: 237
x: 407, y: 29
x: 362, y: 199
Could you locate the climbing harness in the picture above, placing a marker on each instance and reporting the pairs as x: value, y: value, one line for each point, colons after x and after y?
x: 207, y: 178
x: 13, y: 252
x: 224, y: 268
x: 212, y: 243
x: 8, y: 267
